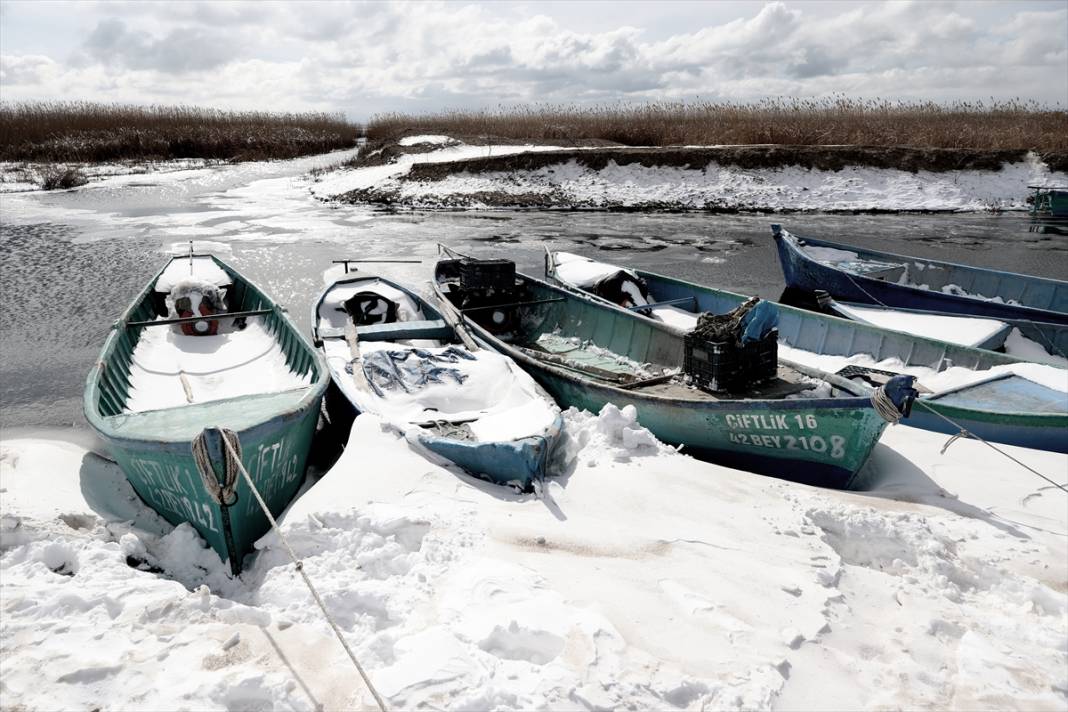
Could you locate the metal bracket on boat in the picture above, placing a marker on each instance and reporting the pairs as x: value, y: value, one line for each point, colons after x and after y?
x: 348, y: 262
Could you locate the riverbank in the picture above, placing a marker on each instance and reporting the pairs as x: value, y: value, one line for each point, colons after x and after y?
x: 442, y: 172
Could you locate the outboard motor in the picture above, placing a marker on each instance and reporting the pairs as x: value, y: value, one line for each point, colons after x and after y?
x: 370, y: 308
x: 192, y: 297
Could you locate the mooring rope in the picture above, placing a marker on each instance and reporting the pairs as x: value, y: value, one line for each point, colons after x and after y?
x: 885, y: 406
x: 223, y: 493
x: 299, y: 566
x: 964, y: 433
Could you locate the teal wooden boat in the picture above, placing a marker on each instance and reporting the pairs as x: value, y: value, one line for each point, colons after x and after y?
x: 992, y: 401
x: 172, y: 368
x: 588, y: 353
x: 389, y: 352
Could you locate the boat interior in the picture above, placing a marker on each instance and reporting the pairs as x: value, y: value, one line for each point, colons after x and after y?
x: 598, y: 343
x: 199, y: 333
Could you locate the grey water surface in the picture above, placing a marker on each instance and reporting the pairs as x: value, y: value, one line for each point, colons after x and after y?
x: 70, y: 262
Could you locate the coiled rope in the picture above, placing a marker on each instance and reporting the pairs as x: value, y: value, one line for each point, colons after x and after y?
x: 233, y: 447
x: 223, y: 493
x: 964, y: 433
x: 885, y: 407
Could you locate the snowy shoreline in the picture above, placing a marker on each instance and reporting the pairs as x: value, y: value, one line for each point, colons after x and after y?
x: 448, y: 174
x: 942, y: 586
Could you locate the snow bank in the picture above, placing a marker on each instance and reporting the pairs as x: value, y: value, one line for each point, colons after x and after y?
x: 344, y: 180
x: 643, y: 579
x: 714, y: 186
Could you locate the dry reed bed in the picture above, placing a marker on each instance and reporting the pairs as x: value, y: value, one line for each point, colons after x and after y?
x: 814, y: 122
x: 90, y: 132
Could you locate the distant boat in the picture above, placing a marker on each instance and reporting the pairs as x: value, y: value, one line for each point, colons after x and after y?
x: 985, y: 393
x: 856, y: 274
x: 389, y: 352
x: 803, y: 425
x: 202, y: 348
x: 1049, y: 209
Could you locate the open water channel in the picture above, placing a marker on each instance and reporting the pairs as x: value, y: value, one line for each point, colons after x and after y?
x: 71, y: 261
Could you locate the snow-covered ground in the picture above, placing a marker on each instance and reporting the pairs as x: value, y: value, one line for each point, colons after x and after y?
x: 20, y: 177
x: 721, y: 187
x: 643, y: 580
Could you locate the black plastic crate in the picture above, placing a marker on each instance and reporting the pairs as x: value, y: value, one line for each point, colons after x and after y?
x: 487, y: 275
x: 727, y: 366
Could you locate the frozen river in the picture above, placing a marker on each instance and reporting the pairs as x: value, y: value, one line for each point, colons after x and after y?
x: 71, y: 261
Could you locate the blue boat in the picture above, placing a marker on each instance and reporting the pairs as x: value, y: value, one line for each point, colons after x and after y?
x: 389, y: 352
x: 996, y: 404
x: 802, y: 424
x: 1048, y: 342
x: 867, y: 276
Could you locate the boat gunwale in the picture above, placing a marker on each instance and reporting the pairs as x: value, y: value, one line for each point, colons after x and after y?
x: 104, y: 424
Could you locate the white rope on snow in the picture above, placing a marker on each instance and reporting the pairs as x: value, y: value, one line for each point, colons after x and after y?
x: 299, y: 566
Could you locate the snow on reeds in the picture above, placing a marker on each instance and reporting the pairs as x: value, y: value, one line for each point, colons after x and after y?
x: 91, y: 132
x: 1012, y: 124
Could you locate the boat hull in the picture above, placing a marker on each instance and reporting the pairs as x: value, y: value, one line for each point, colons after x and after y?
x: 823, y: 445
x: 519, y: 463
x: 165, y: 476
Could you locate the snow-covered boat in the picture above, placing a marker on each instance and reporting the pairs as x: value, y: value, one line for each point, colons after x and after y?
x: 200, y: 349
x: 391, y: 353
x: 803, y: 424
x: 870, y: 277
x: 996, y: 396
x: 1020, y: 338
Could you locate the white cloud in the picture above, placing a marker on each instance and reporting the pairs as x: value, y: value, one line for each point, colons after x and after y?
x: 368, y: 58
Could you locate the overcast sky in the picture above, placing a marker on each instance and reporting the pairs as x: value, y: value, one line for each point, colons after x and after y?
x: 364, y: 59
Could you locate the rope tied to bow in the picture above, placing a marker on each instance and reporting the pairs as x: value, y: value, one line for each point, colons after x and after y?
x: 221, y: 492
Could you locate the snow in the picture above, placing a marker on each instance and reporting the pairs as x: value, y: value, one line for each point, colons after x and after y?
x: 643, y: 579
x: 967, y: 331
x: 230, y: 364
x: 203, y: 269
x: 1019, y: 346
x: 714, y: 185
x: 496, y: 398
x: 425, y: 138
x: 583, y: 272
x: 345, y: 180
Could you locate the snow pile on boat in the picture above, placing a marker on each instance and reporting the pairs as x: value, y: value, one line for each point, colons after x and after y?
x: 171, y: 369
x: 643, y: 579
x: 570, y: 184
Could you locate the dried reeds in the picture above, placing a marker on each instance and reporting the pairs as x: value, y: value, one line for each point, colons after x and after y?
x: 830, y: 121
x: 91, y: 132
